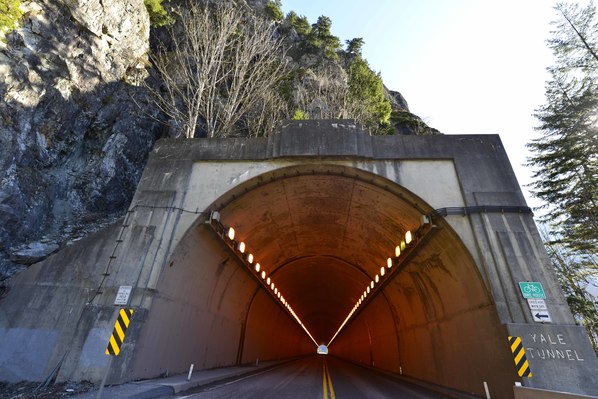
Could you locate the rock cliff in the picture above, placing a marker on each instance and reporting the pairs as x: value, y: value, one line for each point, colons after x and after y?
x: 76, y: 125
x: 72, y: 140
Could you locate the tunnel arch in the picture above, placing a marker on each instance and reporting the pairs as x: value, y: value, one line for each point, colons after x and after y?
x: 322, y: 231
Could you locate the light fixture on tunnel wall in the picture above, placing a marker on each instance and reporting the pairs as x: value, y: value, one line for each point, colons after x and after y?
x: 239, y: 248
x: 403, y: 252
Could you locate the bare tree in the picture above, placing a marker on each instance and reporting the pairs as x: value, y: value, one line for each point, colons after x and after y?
x: 217, y: 67
x: 323, y: 93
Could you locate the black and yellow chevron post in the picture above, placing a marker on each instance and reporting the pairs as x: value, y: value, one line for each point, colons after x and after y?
x: 118, y: 334
x: 519, y: 355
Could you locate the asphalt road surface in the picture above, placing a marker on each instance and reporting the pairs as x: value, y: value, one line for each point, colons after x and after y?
x: 314, y: 377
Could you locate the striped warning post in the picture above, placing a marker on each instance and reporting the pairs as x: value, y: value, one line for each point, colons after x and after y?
x: 520, y: 359
x: 118, y: 334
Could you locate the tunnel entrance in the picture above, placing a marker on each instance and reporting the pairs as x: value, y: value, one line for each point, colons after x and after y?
x: 322, y: 206
x: 320, y: 235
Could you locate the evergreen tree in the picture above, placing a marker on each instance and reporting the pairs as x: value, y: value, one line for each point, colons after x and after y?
x: 565, y: 156
x: 321, y: 37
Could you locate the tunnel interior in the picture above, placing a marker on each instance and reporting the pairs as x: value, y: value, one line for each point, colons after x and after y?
x: 321, y: 235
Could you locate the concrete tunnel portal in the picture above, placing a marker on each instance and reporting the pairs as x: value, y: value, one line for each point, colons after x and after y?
x: 321, y: 234
x: 322, y: 206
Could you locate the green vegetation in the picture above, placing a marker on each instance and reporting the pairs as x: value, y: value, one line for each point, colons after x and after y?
x: 354, y: 45
x: 565, y: 158
x: 273, y: 10
x: 299, y: 23
x: 320, y: 38
x: 367, y: 90
x: 158, y: 15
x: 300, y: 115
x: 10, y: 13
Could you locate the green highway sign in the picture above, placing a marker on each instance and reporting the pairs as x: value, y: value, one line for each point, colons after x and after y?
x: 532, y: 290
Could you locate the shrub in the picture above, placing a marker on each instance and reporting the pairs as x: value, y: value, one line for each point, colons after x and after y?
x: 300, y: 23
x: 273, y: 10
x: 10, y: 13
x: 366, y: 89
x: 300, y: 115
x: 158, y: 15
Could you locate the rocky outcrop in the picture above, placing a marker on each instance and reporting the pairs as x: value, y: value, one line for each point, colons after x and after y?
x: 73, y: 139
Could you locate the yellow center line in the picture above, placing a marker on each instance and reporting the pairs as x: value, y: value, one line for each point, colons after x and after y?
x: 328, y: 383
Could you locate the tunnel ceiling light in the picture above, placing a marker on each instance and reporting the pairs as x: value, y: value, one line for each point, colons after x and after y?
x: 403, y: 252
x: 227, y: 234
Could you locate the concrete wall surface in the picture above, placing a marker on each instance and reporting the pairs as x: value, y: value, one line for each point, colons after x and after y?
x: 322, y: 206
x: 534, y: 393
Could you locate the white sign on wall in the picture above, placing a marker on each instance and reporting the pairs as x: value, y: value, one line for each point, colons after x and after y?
x: 123, y: 294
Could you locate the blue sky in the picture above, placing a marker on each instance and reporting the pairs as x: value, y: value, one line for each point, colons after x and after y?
x: 464, y: 66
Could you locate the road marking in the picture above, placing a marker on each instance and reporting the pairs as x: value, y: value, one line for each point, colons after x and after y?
x: 328, y: 390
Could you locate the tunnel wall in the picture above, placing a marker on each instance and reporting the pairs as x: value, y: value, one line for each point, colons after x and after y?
x: 199, y: 314
x: 184, y: 179
x: 435, y: 322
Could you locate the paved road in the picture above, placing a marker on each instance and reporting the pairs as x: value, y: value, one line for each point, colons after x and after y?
x: 314, y: 377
